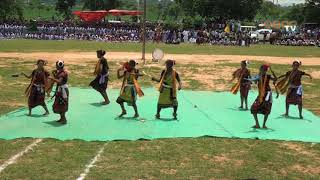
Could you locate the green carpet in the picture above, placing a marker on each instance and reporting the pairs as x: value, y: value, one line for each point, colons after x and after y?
x: 199, y: 114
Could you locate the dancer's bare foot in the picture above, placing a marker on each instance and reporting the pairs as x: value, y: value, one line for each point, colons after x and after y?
x: 256, y: 127
x: 59, y: 121
x: 136, y: 115
x: 175, y: 116
x: 301, y: 117
x: 285, y: 115
x: 265, y: 127
x: 29, y: 114
x: 157, y: 116
x: 105, y: 103
x: 123, y: 113
x: 241, y: 107
x: 64, y: 121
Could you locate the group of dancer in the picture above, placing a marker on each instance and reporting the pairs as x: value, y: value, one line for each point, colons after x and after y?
x: 169, y: 84
x: 42, y: 83
x: 289, y: 83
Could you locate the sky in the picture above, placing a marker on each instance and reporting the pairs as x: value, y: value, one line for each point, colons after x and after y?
x: 289, y: 2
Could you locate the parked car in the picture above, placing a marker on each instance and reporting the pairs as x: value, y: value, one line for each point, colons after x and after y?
x: 259, y: 34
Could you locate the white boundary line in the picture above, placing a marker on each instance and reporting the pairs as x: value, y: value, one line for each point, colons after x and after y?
x: 14, y: 158
x: 91, y: 164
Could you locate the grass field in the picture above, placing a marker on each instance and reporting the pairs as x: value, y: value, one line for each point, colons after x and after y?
x: 80, y: 46
x: 183, y: 158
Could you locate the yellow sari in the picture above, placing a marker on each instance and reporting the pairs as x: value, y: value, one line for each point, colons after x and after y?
x: 168, y: 89
x: 130, y: 88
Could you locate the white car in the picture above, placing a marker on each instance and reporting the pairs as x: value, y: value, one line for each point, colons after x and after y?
x: 259, y: 34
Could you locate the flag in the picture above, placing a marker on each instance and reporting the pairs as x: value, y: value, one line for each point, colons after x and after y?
x: 227, y: 29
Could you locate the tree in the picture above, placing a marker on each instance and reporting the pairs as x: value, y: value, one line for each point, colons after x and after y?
x: 312, y: 11
x: 169, y: 10
x: 294, y: 13
x: 217, y: 9
x: 101, y: 4
x: 10, y: 9
x: 64, y: 7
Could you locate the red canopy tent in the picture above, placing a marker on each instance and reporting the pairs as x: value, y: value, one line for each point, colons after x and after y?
x: 95, y: 16
x: 91, y: 16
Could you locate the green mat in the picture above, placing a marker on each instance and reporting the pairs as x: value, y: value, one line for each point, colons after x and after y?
x: 200, y: 114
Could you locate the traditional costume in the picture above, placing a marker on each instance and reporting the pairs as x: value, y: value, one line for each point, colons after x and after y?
x: 36, y: 89
x: 243, y: 74
x: 291, y: 83
x: 295, y: 90
x: 263, y: 103
x: 169, y: 80
x: 130, y: 87
x: 100, y: 83
x: 61, y: 101
x: 168, y: 89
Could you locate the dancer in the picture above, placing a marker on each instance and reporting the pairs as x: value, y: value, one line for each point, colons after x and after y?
x: 291, y: 83
x: 36, y: 89
x: 61, y: 102
x: 263, y: 103
x: 242, y: 74
x: 168, y: 89
x: 130, y: 87
x: 100, y: 83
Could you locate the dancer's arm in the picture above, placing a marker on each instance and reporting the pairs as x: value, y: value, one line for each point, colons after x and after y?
x: 156, y: 79
x: 118, y: 74
x: 179, y: 82
x: 56, y: 80
x: 138, y: 74
x: 234, y: 75
x: 23, y: 74
x: 284, y: 75
x: 309, y: 75
x: 274, y: 79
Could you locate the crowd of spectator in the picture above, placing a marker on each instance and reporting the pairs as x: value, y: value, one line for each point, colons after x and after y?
x: 305, y: 37
x: 119, y: 32
x: 215, y: 34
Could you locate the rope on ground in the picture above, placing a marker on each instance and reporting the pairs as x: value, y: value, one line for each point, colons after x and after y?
x: 206, y: 115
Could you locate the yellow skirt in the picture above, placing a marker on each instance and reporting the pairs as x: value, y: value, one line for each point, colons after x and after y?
x: 129, y: 95
x: 166, y: 98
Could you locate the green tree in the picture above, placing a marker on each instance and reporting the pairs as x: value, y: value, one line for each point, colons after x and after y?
x: 64, y: 7
x: 101, y: 4
x: 294, y: 13
x: 312, y: 11
x: 231, y: 9
x: 268, y: 11
x: 10, y: 9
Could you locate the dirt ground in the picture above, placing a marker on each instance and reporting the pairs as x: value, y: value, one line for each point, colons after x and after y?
x: 206, y: 79
x: 78, y: 57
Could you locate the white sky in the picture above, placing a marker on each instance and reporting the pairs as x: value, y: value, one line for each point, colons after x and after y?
x: 289, y: 2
